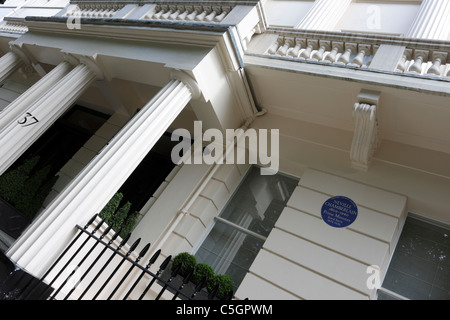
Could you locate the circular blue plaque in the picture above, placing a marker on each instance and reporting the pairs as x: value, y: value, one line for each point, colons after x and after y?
x: 339, y: 211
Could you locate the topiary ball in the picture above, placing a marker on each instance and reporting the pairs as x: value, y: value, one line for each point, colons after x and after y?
x: 225, y: 285
x: 187, y: 262
x: 202, y: 270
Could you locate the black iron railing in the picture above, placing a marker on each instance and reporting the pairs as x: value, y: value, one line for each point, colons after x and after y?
x: 65, y: 285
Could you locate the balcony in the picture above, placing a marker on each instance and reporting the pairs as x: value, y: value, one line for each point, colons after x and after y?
x: 411, y: 57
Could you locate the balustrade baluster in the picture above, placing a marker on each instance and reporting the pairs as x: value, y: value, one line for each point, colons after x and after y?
x: 307, y: 52
x: 282, y: 51
x: 332, y: 56
x: 318, y: 55
x: 274, y: 47
x: 201, y: 16
x: 417, y: 65
x: 436, y: 67
x: 359, y: 59
x: 345, y: 57
x: 193, y: 14
x: 221, y: 16
x: 296, y: 50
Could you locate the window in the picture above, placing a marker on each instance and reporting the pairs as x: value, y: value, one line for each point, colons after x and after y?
x: 420, y: 266
x: 245, y: 222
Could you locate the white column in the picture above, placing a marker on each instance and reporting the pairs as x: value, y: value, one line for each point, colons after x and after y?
x: 20, y: 134
x: 19, y: 105
x: 9, y: 63
x: 324, y: 15
x: 432, y: 21
x: 88, y: 193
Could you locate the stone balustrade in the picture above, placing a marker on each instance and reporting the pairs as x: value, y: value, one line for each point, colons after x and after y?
x: 213, y: 12
x: 427, y: 58
x: 326, y: 51
x: 92, y: 10
x: 189, y: 13
x: 424, y: 62
x: 13, y: 27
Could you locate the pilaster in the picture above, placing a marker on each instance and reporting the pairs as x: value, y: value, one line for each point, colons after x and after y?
x: 432, y: 21
x: 9, y: 63
x: 19, y: 105
x: 19, y: 134
x: 324, y: 15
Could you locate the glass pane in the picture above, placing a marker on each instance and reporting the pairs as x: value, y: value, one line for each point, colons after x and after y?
x: 229, y: 251
x: 420, y: 266
x: 259, y: 201
x: 255, y: 206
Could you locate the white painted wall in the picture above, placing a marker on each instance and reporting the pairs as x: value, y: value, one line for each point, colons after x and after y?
x: 309, y: 259
x: 380, y: 17
x: 284, y: 13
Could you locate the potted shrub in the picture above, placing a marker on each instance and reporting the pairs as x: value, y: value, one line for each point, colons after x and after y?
x: 202, y: 270
x: 187, y: 261
x: 225, y: 286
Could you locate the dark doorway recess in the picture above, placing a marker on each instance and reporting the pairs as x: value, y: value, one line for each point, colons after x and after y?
x: 64, y: 138
x: 54, y: 149
x: 148, y: 176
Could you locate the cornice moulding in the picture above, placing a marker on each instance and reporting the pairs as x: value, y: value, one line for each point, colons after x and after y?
x: 203, y: 35
x: 163, y: 31
x: 436, y: 86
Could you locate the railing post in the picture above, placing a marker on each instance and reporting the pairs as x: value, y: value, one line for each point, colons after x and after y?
x: 133, y: 246
x: 150, y: 262
x: 162, y: 267
x: 119, y: 247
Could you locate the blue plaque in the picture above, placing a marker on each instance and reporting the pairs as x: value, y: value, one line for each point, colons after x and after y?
x: 339, y: 211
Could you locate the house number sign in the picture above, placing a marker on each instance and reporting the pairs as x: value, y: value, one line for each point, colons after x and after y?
x: 339, y: 211
x: 27, y: 120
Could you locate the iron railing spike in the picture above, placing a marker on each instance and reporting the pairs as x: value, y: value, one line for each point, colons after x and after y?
x: 165, y: 263
x: 155, y: 256
x: 201, y: 284
x: 134, y: 245
x: 144, y: 250
x: 98, y: 226
x: 90, y: 221
x: 213, y: 292
x: 188, y: 276
x: 175, y: 270
x: 107, y: 230
x: 124, y: 240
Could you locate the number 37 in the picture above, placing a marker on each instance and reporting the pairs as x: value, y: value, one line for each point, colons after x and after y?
x: 27, y: 120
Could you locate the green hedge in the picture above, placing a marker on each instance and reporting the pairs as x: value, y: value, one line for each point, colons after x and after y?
x: 25, y: 188
x: 119, y: 218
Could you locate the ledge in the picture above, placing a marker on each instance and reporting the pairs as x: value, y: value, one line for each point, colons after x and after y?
x: 198, y: 26
x: 439, y: 86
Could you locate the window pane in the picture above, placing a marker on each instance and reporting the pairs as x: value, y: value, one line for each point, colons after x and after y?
x: 255, y: 206
x: 229, y: 251
x: 259, y: 201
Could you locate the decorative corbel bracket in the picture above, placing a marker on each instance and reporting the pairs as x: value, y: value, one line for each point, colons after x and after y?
x: 365, y: 138
x: 31, y: 64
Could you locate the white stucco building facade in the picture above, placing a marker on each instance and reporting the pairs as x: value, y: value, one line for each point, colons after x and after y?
x: 356, y: 94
